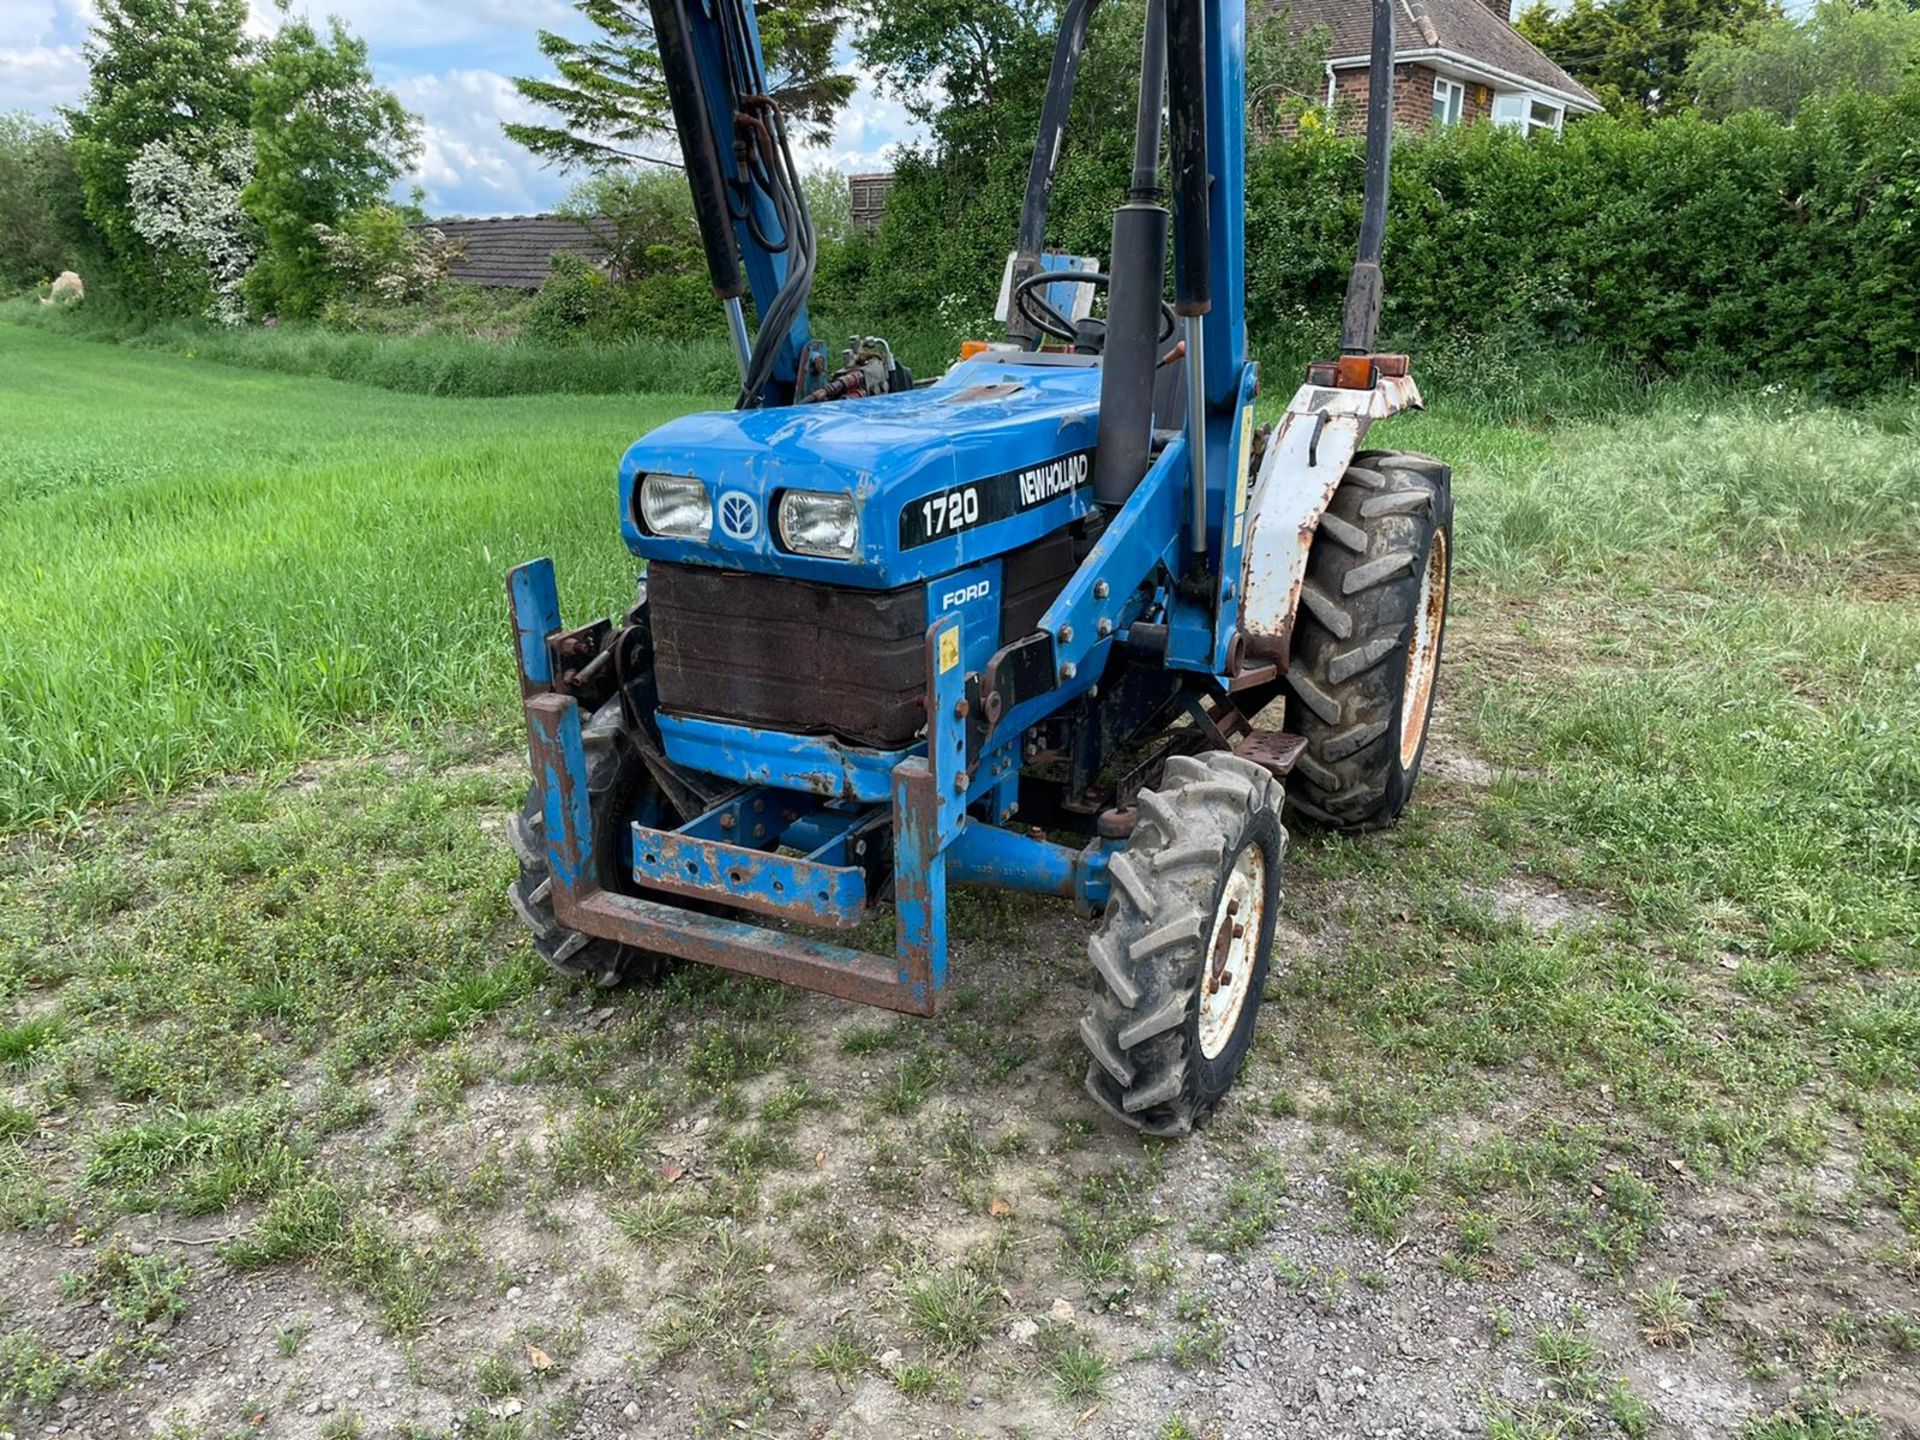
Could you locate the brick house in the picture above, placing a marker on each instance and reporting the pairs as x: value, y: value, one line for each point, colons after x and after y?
x: 1454, y: 60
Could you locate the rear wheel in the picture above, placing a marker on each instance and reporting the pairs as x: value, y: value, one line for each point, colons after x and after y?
x: 1181, y: 956
x: 1367, y: 640
x: 620, y: 789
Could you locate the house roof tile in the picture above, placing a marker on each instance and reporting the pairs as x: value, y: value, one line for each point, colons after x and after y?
x: 1465, y: 27
x: 516, y: 251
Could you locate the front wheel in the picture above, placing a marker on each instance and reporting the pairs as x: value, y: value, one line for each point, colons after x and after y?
x: 1180, y: 960
x: 1367, y: 640
x: 620, y: 789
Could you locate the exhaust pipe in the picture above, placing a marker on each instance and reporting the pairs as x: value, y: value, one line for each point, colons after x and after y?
x: 1360, y: 318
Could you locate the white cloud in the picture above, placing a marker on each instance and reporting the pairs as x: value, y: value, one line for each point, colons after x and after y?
x: 868, y: 133
x: 420, y: 24
x: 41, y: 65
x: 39, y: 77
x: 466, y: 164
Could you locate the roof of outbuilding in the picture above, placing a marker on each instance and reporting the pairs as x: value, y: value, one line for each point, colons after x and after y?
x: 516, y: 251
x: 1464, y: 27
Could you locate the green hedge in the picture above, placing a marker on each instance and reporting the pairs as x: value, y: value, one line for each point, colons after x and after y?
x: 1742, y: 248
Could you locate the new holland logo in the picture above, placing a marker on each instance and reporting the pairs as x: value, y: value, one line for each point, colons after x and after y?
x: 739, y: 516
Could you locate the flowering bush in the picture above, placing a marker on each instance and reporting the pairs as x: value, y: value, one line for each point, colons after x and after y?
x: 189, y: 211
x: 376, y: 253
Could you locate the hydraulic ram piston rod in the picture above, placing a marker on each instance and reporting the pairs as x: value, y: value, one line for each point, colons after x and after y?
x: 1197, y: 430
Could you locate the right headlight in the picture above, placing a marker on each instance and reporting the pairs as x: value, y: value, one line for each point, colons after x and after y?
x: 676, y: 506
x: 814, y: 522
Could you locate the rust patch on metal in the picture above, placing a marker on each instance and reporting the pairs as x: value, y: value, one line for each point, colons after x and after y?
x: 1274, y: 751
x: 1423, y: 652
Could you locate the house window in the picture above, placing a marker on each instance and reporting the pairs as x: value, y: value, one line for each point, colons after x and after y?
x: 1449, y: 96
x: 1528, y: 113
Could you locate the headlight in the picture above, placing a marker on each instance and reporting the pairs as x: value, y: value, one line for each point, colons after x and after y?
x: 815, y: 524
x: 676, y: 506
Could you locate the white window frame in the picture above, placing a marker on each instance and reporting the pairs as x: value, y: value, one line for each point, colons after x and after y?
x: 1528, y: 112
x: 1449, y: 100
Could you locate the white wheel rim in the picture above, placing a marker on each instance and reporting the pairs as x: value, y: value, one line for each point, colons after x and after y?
x: 1227, y: 978
x: 1423, y: 652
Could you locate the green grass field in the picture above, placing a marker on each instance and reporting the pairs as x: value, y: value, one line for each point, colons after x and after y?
x: 1636, y: 981
x: 206, y: 569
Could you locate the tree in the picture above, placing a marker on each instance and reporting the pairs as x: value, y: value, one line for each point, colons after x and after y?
x: 171, y: 71
x: 32, y: 155
x: 1633, y: 53
x: 611, y: 100
x: 969, y: 70
x: 327, y: 142
x: 1777, y: 65
x: 644, y: 218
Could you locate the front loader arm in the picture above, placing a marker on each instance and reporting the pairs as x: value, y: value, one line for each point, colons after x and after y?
x: 754, y: 224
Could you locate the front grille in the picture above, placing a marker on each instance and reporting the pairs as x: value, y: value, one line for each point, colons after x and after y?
x: 790, y: 655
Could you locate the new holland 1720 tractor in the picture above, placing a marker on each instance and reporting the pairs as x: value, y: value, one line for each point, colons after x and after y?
x: 898, y: 636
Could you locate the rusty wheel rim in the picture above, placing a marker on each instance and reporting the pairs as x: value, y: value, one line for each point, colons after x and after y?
x: 1423, y: 652
x: 1231, y: 950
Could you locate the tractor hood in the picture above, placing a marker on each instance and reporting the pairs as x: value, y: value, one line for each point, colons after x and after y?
x: 994, y: 455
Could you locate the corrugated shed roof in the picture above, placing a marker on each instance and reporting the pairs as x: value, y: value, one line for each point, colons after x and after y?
x: 516, y: 251
x: 1466, y: 27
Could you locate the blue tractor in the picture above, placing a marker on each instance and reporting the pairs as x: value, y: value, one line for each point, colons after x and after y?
x: 1014, y: 627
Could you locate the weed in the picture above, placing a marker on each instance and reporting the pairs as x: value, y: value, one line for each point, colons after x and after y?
x: 1080, y: 1372
x: 1249, y: 1208
x: 30, y: 1040
x: 920, y: 1380
x: 842, y: 1355
x: 31, y: 1371
x: 1201, y: 1336
x: 497, y: 1376
x: 950, y: 1309
x: 1812, y: 1420
x: 1628, y: 1411
x: 1666, y: 1315
x: 1109, y: 1211
x: 1379, y: 1193
x: 288, y: 1338
x: 656, y: 1222
x: 836, y: 1245
x: 1565, y: 1353
x: 913, y: 1083
x: 1625, y: 1216
x: 196, y: 1162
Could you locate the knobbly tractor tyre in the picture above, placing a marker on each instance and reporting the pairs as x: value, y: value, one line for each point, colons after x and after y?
x: 1367, y: 640
x: 619, y: 786
x: 1180, y: 958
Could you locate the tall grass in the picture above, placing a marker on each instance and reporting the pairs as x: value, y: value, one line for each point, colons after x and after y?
x: 471, y: 366
x: 205, y: 569
x: 1682, y: 474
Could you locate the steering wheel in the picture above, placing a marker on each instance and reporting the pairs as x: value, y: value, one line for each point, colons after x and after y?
x: 1039, y: 312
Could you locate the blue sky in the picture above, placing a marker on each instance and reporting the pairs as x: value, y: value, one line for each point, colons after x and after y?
x: 450, y: 61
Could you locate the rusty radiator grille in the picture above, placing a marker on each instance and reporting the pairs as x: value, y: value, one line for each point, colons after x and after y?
x: 790, y: 655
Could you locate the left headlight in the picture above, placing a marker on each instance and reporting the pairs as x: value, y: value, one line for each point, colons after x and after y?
x: 675, y: 506
x: 813, y: 523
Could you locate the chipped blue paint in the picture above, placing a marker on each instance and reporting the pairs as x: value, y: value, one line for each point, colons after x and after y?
x: 536, y: 615
x: 812, y: 764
